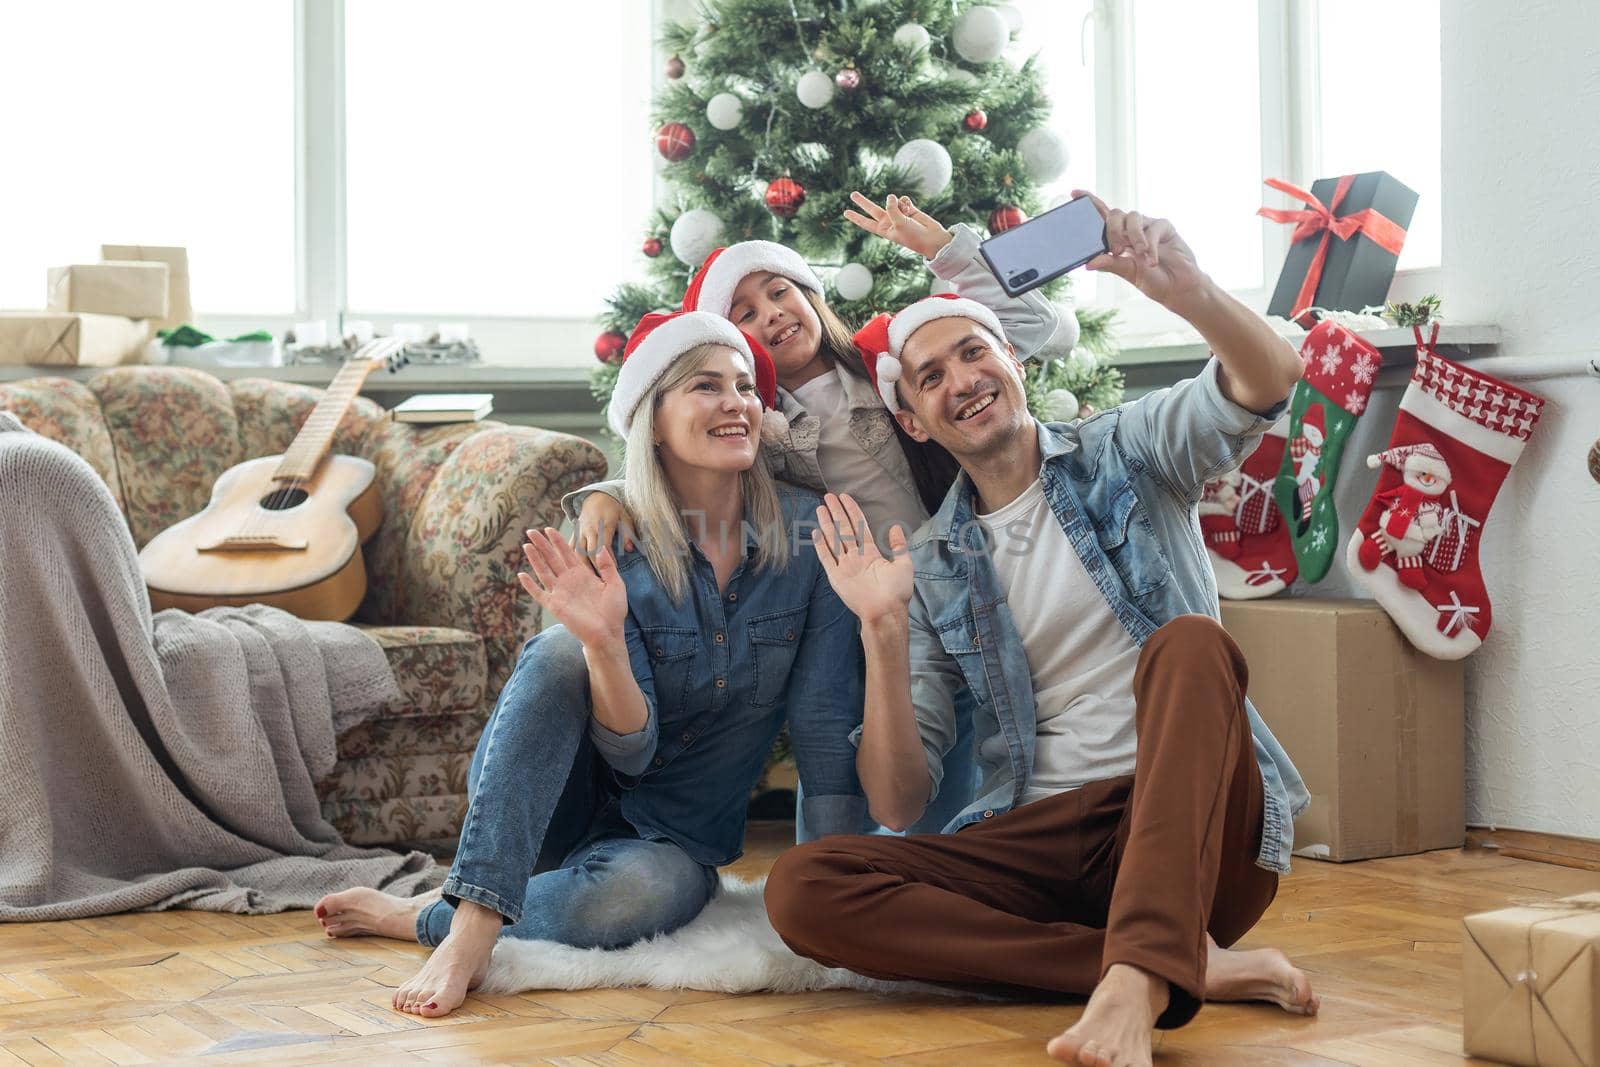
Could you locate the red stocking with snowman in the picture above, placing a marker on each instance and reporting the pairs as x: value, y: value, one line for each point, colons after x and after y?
x: 1416, y: 547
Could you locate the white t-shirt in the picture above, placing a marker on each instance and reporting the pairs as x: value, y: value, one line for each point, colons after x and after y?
x: 1081, y: 659
x: 847, y: 468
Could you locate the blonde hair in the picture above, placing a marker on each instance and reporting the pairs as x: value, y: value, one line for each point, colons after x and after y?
x: 838, y: 343
x: 657, y: 514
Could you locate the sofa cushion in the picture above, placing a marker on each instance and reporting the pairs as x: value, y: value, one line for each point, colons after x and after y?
x: 440, y: 671
x: 66, y: 411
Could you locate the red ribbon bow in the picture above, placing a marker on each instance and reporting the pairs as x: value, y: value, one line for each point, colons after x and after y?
x: 1320, y: 218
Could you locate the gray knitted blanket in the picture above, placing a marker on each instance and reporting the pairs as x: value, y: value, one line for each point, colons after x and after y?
x: 151, y: 762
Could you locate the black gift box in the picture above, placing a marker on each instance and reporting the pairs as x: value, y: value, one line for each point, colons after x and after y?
x: 1357, y: 273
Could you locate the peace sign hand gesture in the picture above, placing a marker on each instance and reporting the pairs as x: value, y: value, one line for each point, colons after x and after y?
x: 900, y: 221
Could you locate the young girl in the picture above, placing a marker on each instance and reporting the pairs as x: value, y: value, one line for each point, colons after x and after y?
x: 836, y: 435
x: 620, y: 776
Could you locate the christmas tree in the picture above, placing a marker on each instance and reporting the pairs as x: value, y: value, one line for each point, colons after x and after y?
x: 776, y: 110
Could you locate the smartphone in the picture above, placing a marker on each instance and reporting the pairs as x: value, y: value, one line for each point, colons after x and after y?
x: 1044, y: 248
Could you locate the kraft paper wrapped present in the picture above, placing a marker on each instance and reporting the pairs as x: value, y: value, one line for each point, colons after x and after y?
x: 179, y: 309
x: 1531, y: 983
x: 70, y: 339
x: 135, y: 290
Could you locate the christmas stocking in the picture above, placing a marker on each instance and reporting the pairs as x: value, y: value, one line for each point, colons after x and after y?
x: 1416, y: 546
x: 1249, y: 548
x: 1323, y: 409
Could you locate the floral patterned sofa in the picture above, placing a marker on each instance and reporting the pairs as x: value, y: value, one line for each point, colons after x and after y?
x: 442, y: 597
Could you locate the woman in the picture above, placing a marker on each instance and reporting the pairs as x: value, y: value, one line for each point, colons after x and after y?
x: 620, y: 777
x: 837, y: 436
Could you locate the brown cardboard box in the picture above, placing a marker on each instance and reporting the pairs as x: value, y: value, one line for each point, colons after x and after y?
x: 179, y: 309
x: 1530, y: 983
x: 1376, y: 728
x: 67, y: 339
x: 133, y: 290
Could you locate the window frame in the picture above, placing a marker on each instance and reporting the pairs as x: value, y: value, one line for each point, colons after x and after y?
x: 1291, y: 140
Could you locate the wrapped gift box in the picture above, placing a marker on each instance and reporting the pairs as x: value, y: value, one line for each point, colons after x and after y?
x: 67, y: 339
x: 1355, y: 225
x: 1531, y: 983
x: 179, y: 309
x: 135, y: 290
x: 1376, y: 728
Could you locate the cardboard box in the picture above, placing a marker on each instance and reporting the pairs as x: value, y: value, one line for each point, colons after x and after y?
x: 1530, y: 983
x: 179, y: 308
x: 69, y: 339
x: 133, y: 290
x: 1376, y: 728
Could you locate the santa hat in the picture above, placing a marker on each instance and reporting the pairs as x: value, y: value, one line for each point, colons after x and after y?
x: 881, y: 340
x: 1314, y: 425
x: 1423, y: 458
x: 658, y: 341
x: 714, y: 283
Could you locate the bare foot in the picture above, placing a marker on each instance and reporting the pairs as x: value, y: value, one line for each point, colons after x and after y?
x: 361, y: 912
x: 456, y: 966
x: 1258, y: 974
x: 1114, y: 1030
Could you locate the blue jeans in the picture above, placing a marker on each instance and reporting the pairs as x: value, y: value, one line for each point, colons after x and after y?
x: 550, y: 852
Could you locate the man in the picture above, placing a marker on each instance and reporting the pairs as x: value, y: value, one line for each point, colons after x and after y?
x: 1134, y: 811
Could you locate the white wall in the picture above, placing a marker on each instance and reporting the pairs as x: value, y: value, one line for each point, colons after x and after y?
x: 1521, y: 172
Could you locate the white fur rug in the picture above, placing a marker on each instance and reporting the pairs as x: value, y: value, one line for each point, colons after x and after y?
x: 730, y: 947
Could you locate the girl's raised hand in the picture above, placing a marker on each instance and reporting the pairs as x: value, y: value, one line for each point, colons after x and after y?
x: 900, y: 221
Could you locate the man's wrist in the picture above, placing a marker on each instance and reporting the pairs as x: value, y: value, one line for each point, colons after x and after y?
x: 1198, y: 303
x: 892, y: 628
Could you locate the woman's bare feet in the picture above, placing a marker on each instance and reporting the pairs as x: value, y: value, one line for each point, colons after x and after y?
x: 363, y: 912
x: 1258, y: 974
x: 456, y: 966
x: 1114, y: 1030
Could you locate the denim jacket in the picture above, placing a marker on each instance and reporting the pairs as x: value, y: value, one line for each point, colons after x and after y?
x: 720, y: 672
x: 1123, y: 485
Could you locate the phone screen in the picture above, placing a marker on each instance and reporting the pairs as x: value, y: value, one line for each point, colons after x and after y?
x: 1044, y: 248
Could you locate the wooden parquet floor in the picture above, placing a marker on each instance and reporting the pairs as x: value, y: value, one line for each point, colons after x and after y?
x: 1381, y: 941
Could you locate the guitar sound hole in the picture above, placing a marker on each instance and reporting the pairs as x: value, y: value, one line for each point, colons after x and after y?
x: 284, y: 499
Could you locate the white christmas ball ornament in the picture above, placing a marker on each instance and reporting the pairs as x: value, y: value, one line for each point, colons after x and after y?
x: 853, y: 281
x: 694, y: 235
x: 724, y: 111
x: 1060, y: 406
x: 960, y: 76
x: 815, y: 89
x: 928, y: 163
x: 912, y: 37
x: 1045, y: 153
x: 1013, y: 16
x: 981, y: 35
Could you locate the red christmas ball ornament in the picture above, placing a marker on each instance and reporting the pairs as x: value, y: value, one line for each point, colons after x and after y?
x: 675, y: 141
x: 976, y: 120
x: 675, y: 68
x: 848, y: 80
x: 1002, y: 219
x: 609, y: 345
x: 784, y: 197
x: 652, y: 247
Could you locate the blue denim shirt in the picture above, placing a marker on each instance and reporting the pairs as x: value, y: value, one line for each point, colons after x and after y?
x: 720, y: 673
x: 1123, y: 485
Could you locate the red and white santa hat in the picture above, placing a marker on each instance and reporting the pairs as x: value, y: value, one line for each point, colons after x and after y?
x: 713, y: 284
x: 1423, y: 458
x: 881, y: 340
x: 1314, y: 425
x: 658, y: 341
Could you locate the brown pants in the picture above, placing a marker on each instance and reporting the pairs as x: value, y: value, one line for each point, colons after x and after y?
x: 1048, y: 896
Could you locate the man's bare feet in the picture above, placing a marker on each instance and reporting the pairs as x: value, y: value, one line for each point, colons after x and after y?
x: 1114, y: 1030
x: 362, y: 912
x: 456, y: 966
x: 1258, y: 974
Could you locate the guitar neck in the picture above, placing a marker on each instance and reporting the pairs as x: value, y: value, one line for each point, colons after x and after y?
x: 316, y: 435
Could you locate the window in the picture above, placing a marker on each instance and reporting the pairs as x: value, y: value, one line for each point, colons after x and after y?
x: 492, y: 171
x: 1194, y: 104
x: 485, y: 161
x: 162, y: 123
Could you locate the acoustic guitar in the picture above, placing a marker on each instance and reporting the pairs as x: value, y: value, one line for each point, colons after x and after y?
x: 281, y: 530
